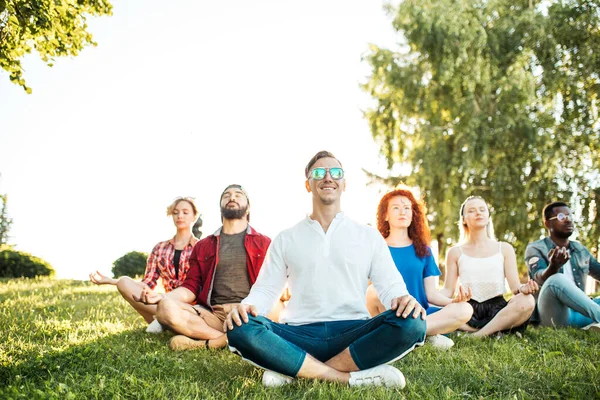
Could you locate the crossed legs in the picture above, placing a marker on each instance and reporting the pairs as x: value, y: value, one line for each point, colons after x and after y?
x: 128, y: 287
x: 446, y: 320
x: 192, y: 321
x: 328, y: 350
x: 562, y: 303
x: 517, y: 312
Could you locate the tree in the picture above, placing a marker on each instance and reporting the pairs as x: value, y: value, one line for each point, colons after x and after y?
x: 53, y: 27
x: 131, y: 264
x: 17, y: 264
x: 497, y: 98
x: 5, y: 220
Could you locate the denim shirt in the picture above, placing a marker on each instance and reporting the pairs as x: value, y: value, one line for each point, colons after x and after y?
x: 582, y: 262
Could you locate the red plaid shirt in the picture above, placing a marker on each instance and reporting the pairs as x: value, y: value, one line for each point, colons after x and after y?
x: 160, y: 264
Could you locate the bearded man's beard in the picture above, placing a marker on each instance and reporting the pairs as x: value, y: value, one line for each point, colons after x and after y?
x: 234, y: 213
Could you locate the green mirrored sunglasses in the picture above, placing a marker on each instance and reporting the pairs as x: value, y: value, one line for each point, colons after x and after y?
x: 319, y: 173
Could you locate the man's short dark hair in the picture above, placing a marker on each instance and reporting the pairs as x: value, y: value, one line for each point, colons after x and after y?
x: 550, y: 207
x: 321, y: 154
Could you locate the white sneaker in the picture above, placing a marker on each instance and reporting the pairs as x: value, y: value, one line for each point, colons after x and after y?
x: 381, y: 375
x: 440, y: 342
x: 594, y: 327
x: 155, y: 327
x: 275, y: 379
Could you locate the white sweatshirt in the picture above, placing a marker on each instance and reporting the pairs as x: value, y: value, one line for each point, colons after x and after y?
x: 327, y: 273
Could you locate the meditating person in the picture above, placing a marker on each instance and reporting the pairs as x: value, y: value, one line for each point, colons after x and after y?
x: 483, y: 264
x: 169, y: 261
x: 402, y: 221
x: 561, y: 267
x: 223, y: 267
x: 325, y: 331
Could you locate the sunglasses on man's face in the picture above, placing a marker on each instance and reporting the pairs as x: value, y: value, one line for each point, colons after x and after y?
x: 319, y: 173
x: 562, y: 217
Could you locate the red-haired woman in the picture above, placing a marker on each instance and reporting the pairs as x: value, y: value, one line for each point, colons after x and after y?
x: 169, y: 261
x: 402, y: 221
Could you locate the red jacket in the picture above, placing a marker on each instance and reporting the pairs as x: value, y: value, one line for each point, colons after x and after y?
x: 205, y: 257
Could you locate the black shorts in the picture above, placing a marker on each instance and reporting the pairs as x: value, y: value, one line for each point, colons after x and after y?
x: 485, y: 311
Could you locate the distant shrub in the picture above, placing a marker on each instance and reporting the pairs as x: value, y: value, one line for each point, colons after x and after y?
x: 18, y: 264
x: 131, y: 264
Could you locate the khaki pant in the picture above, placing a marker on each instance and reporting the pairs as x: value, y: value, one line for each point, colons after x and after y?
x: 215, y: 318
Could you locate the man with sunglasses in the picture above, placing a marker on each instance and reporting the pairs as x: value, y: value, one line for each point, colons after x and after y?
x: 561, y: 266
x: 326, y: 331
x: 223, y: 267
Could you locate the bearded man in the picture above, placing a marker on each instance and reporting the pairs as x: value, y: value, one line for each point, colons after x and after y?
x: 223, y: 267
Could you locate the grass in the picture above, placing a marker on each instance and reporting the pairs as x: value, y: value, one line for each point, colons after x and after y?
x: 69, y: 339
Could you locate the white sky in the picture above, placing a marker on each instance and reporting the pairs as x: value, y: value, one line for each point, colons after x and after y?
x: 184, y: 98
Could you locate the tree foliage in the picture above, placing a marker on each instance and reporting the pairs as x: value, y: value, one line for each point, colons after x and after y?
x: 5, y: 220
x: 496, y: 98
x: 131, y: 264
x: 18, y: 264
x: 52, y: 27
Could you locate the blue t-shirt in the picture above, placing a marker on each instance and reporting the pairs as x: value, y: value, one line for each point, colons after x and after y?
x: 414, y: 270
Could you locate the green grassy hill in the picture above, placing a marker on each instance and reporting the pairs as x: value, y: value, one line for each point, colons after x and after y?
x: 68, y: 339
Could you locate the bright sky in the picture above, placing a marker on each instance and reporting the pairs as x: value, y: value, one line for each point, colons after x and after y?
x: 184, y: 98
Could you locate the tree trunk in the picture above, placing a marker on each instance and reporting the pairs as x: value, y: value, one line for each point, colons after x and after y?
x: 441, y: 259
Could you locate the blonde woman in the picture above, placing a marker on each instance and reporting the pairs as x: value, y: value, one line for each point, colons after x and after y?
x: 483, y: 264
x: 169, y: 261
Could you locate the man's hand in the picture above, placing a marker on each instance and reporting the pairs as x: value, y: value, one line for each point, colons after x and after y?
x: 462, y: 295
x: 405, y: 305
x: 531, y: 287
x: 148, y: 296
x: 558, y: 256
x: 239, y: 315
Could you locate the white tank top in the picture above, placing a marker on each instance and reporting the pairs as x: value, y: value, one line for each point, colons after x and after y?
x: 485, y: 276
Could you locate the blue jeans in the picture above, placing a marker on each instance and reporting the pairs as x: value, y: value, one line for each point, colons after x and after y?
x: 562, y: 303
x: 282, y: 348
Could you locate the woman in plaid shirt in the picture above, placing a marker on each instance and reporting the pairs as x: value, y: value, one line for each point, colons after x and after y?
x: 169, y: 261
